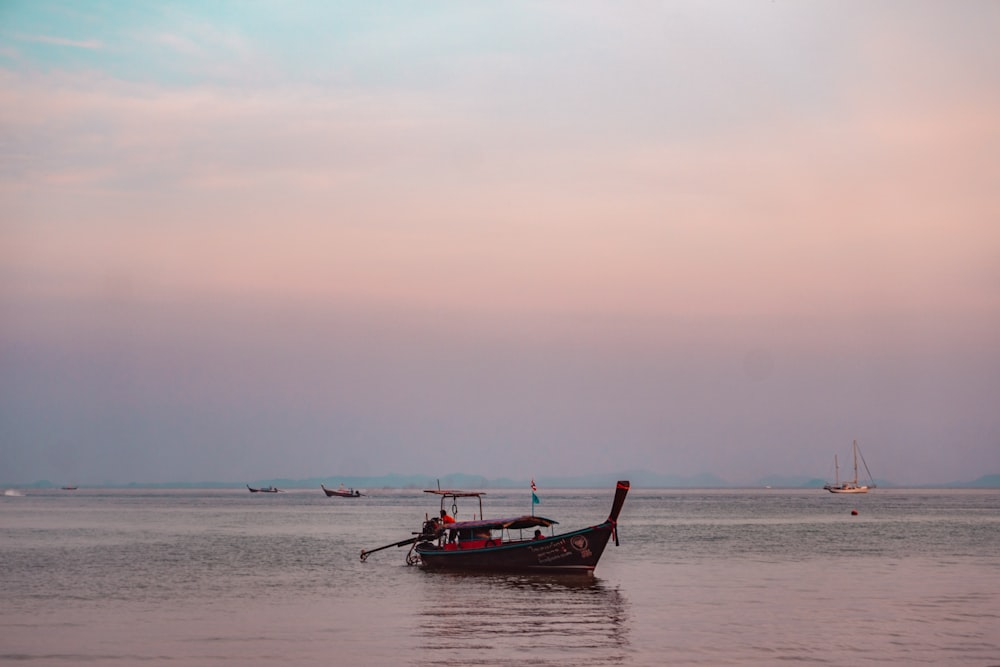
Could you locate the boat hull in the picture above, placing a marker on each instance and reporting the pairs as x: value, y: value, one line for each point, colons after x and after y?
x: 336, y: 493
x: 575, y: 552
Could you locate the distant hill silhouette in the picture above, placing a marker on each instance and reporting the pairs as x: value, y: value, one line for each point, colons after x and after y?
x: 639, y: 479
x: 790, y: 482
x: 984, y: 482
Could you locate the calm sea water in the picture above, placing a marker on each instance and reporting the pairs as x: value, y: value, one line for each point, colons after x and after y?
x: 758, y: 577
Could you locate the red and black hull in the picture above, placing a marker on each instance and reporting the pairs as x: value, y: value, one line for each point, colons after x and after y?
x: 577, y: 551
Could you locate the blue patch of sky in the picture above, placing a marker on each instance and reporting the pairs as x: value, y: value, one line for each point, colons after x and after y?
x: 228, y: 42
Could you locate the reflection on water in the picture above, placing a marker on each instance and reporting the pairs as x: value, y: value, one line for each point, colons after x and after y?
x: 510, y: 619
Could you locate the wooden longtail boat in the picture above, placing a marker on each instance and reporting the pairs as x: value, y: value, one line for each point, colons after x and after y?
x: 264, y: 489
x: 489, y: 545
x: 341, y: 492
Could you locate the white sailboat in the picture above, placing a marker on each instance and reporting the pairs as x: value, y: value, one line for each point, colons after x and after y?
x: 852, y: 486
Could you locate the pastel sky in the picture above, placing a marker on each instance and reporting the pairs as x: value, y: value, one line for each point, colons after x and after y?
x: 247, y: 240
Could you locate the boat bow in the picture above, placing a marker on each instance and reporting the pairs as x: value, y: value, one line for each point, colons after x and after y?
x: 621, y: 490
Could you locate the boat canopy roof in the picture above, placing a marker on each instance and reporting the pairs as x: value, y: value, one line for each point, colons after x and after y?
x: 516, y: 523
x: 453, y: 493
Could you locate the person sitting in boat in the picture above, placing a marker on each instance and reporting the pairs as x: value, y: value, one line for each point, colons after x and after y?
x: 446, y: 520
x: 538, y: 535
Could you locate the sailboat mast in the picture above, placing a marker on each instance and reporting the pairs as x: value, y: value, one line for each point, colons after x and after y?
x: 871, y: 480
x: 855, y: 462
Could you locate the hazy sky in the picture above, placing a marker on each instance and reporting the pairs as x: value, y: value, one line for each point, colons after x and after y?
x: 245, y: 240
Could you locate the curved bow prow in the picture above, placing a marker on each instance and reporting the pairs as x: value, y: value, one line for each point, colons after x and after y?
x: 621, y: 490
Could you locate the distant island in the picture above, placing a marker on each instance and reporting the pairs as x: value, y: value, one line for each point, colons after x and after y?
x: 639, y: 479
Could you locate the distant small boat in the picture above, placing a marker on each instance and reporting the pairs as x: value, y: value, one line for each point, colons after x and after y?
x: 851, y: 486
x: 70, y: 488
x: 341, y: 492
x: 264, y: 489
